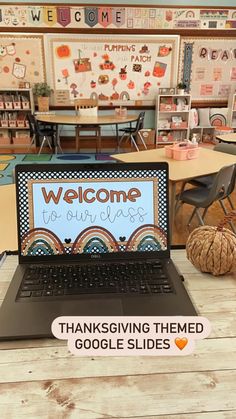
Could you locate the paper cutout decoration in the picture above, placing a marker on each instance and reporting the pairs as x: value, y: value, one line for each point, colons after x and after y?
x: 11, y: 50
x: 63, y: 16
x: 63, y: 51
x: 118, y: 16
x: 137, y: 68
x: 108, y: 64
x: 123, y: 73
x: 103, y: 79
x: 105, y: 16
x: 91, y: 16
x: 164, y: 51
x: 3, y: 51
x: 144, y: 50
x: 65, y: 74
x: 159, y: 69
x: 82, y: 64
x: 19, y: 70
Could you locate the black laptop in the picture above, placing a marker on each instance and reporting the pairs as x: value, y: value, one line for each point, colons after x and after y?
x: 93, y: 240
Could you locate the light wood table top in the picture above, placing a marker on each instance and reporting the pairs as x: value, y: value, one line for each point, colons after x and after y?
x: 41, y: 379
x: 208, y: 162
x: 61, y: 119
x: 227, y: 138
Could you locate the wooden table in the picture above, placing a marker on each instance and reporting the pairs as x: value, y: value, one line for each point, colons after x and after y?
x: 208, y: 162
x: 227, y: 138
x: 61, y: 119
x: 41, y: 379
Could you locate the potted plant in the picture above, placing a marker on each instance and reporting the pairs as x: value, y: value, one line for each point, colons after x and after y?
x: 42, y: 91
x: 181, y: 88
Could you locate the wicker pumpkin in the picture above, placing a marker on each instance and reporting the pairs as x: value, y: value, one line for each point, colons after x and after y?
x: 213, y: 249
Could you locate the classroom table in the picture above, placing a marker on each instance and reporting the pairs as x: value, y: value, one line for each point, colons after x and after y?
x: 41, y: 379
x: 208, y: 162
x: 62, y: 119
x: 227, y: 138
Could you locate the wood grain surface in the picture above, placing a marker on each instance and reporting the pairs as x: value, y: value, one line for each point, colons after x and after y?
x: 41, y: 379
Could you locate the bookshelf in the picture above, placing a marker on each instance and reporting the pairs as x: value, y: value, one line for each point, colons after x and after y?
x: 172, y: 117
x: 15, y: 104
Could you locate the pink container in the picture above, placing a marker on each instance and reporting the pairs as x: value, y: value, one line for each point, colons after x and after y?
x: 169, y: 151
x: 182, y: 151
x: 185, y: 153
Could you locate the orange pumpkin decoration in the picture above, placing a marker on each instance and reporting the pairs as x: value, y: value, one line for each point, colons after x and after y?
x: 213, y: 249
x: 63, y: 51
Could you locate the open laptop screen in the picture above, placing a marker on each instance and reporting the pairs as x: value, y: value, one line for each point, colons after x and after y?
x: 92, y: 209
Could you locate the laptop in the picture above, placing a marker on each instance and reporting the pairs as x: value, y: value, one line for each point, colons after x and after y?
x: 93, y: 239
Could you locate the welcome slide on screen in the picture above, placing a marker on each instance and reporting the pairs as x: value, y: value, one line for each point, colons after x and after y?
x: 65, y: 208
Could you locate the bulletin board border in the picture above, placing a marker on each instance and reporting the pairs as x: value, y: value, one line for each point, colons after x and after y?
x: 29, y: 36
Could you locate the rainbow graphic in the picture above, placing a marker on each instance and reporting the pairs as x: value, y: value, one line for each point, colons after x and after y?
x: 95, y: 240
x: 149, y: 237
x: 41, y: 241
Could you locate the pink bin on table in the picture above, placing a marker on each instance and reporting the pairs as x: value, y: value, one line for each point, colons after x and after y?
x: 185, y: 153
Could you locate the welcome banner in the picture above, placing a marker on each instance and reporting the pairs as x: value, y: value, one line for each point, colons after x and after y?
x: 103, y: 17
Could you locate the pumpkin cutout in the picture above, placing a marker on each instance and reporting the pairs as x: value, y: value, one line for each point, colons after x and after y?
x: 213, y: 249
x: 63, y: 51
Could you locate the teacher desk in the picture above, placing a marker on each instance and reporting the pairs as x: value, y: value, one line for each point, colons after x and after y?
x: 41, y: 379
x: 98, y: 120
x: 208, y: 162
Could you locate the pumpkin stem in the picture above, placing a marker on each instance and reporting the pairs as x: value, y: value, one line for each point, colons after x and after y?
x: 227, y: 218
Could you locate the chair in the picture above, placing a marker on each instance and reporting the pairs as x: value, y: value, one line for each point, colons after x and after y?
x: 87, y: 107
x: 207, y: 181
x: 203, y: 197
x: 133, y: 132
x: 38, y: 132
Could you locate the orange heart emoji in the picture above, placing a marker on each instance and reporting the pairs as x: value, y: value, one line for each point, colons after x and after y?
x: 181, y: 343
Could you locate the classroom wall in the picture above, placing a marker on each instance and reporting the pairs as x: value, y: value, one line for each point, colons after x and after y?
x: 149, y: 120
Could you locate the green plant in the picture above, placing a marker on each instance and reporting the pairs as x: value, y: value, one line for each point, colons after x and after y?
x: 181, y: 85
x: 42, y: 89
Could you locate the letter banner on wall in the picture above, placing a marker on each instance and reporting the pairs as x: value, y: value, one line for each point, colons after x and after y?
x: 102, y: 17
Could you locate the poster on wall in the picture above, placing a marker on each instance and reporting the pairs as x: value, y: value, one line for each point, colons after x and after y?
x: 114, y: 69
x: 208, y: 67
x: 21, y: 60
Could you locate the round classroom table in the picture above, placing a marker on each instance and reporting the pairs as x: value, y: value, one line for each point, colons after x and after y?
x: 62, y: 119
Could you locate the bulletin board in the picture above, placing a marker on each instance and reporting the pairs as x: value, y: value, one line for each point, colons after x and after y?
x: 21, y: 59
x: 114, y: 69
x: 208, y: 67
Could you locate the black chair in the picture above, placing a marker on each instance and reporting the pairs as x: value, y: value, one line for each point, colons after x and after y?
x: 42, y: 134
x: 131, y: 133
x: 203, y: 197
x: 207, y: 181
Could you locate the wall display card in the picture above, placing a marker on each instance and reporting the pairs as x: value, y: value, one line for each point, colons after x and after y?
x: 218, y: 57
x: 233, y: 74
x: 217, y: 74
x: 21, y: 59
x: 200, y: 73
x: 113, y: 69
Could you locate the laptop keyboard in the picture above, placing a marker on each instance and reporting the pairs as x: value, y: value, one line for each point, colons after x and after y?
x: 131, y: 278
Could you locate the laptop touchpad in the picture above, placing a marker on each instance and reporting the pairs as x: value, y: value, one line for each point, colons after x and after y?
x: 92, y: 307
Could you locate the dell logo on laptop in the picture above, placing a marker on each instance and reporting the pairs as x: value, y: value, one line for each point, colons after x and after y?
x: 95, y: 256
